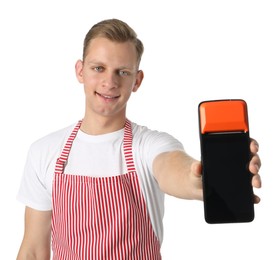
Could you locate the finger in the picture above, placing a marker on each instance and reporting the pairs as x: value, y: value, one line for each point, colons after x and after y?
x: 256, y: 181
x: 255, y: 164
x: 254, y: 146
x: 257, y: 199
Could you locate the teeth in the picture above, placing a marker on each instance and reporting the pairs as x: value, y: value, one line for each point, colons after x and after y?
x: 108, y: 97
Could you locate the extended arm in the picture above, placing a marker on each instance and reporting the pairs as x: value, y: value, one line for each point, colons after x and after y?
x: 179, y: 175
x: 36, y: 240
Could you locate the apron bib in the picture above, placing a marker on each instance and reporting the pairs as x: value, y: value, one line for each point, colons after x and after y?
x: 101, y: 218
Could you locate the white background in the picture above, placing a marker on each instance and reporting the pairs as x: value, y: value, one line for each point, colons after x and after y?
x: 194, y: 51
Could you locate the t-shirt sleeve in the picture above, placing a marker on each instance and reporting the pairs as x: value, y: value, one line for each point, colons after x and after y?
x: 33, y: 191
x: 159, y: 142
x: 163, y: 143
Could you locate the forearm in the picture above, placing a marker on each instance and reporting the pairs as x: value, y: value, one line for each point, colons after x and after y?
x: 178, y: 175
x: 37, y: 235
x: 26, y: 253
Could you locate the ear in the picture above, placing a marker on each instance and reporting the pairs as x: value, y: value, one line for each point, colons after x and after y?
x: 139, y: 79
x: 79, y: 71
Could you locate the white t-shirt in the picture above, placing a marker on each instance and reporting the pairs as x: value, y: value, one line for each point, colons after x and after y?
x: 96, y: 156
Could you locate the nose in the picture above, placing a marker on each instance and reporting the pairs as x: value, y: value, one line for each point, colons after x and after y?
x: 110, y: 80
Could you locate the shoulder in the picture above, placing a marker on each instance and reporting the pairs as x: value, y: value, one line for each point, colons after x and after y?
x: 145, y: 136
x: 143, y: 132
x: 51, y: 141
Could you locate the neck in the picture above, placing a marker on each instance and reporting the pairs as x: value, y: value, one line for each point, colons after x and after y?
x: 101, y: 125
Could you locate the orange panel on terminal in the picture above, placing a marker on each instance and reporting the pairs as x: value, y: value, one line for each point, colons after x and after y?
x: 223, y: 116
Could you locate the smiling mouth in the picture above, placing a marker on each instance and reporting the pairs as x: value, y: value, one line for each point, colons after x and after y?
x: 107, y: 96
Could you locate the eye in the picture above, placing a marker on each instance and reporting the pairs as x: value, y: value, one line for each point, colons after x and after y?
x: 98, y: 68
x: 124, y: 73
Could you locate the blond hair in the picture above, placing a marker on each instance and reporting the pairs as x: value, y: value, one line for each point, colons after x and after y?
x: 114, y: 30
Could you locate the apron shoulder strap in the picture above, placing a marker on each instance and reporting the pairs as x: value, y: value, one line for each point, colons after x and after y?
x: 127, y: 146
x: 62, y: 160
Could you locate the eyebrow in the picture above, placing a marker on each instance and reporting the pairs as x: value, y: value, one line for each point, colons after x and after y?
x: 95, y: 63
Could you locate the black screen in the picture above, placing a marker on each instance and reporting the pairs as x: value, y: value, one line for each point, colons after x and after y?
x: 228, y: 193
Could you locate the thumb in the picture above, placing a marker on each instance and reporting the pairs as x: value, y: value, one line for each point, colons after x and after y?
x: 196, y: 172
x: 196, y: 168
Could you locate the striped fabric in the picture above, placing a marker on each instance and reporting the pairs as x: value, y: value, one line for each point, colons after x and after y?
x: 101, y: 218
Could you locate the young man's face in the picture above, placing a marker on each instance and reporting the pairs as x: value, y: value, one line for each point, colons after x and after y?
x: 109, y: 74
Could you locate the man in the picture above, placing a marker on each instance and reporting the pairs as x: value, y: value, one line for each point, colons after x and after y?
x: 96, y: 188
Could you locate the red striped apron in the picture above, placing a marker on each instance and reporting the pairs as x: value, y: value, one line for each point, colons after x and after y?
x: 101, y: 218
